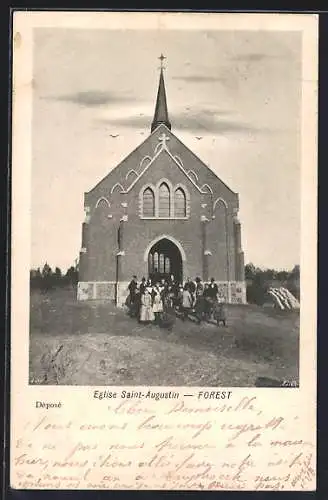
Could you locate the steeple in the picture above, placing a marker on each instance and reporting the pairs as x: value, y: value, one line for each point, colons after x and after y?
x: 161, y: 114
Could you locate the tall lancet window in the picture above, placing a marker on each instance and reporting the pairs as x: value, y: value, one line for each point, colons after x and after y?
x: 151, y: 262
x: 161, y: 263
x: 164, y: 201
x: 180, y: 206
x: 148, y: 203
x: 155, y: 262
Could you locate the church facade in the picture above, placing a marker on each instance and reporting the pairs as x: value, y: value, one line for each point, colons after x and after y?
x: 160, y: 212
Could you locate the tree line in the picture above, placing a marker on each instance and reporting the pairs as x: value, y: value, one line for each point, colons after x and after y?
x: 257, y: 280
x: 47, y: 278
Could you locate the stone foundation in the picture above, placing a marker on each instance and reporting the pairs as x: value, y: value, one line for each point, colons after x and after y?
x: 122, y: 292
x: 235, y: 293
x: 103, y: 290
x: 96, y: 290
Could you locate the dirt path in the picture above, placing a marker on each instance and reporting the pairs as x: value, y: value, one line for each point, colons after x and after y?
x: 122, y: 352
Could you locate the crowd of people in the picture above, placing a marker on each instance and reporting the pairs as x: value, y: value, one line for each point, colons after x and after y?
x: 160, y: 302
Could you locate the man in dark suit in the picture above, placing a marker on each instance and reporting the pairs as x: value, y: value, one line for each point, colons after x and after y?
x: 142, y: 286
x: 133, y: 285
x: 213, y: 289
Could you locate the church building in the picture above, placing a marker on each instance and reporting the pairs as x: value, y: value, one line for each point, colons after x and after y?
x: 160, y: 212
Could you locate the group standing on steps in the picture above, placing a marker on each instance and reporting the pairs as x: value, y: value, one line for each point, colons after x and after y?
x: 162, y: 301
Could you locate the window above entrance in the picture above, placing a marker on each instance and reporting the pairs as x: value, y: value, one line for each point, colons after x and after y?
x: 164, y: 201
x: 149, y: 202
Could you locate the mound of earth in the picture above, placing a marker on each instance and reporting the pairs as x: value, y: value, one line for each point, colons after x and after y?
x: 121, y: 360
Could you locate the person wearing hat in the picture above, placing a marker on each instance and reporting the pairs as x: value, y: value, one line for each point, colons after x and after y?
x: 175, y: 289
x: 142, y: 285
x: 212, y: 294
x: 131, y: 300
x: 140, y: 291
x: 207, y: 303
x: 200, y: 304
x: 192, y: 286
x: 133, y: 285
x: 199, y: 287
x: 213, y: 289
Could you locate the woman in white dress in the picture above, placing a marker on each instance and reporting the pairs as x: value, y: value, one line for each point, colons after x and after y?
x: 157, y: 303
x: 187, y: 302
x: 146, y: 310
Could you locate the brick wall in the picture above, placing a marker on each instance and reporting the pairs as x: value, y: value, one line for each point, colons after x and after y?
x: 107, y: 206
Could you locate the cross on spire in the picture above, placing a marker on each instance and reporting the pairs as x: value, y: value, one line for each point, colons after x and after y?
x: 161, y: 113
x: 161, y: 58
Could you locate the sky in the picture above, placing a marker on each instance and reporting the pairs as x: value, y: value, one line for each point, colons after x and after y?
x: 240, y: 91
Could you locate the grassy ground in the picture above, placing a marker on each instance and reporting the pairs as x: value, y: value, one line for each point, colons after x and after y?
x: 97, y: 344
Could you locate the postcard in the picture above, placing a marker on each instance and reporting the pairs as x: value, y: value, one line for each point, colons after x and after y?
x: 164, y: 236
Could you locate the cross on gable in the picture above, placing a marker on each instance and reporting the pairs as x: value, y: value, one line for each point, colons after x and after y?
x: 163, y: 140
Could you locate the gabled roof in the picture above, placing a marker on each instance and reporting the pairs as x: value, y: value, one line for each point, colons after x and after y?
x: 124, y: 160
x: 152, y: 146
x: 161, y: 150
x: 202, y: 162
x: 174, y: 158
x: 149, y: 150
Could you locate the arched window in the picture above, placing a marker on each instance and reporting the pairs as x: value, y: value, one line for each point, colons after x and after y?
x: 167, y: 265
x: 180, y: 203
x: 155, y: 262
x: 161, y: 263
x: 150, y: 262
x: 148, y: 200
x: 164, y: 201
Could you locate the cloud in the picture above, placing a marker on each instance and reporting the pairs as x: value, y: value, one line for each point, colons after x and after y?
x: 92, y: 98
x: 206, y: 124
x: 198, y: 78
x: 253, y: 57
x: 206, y: 121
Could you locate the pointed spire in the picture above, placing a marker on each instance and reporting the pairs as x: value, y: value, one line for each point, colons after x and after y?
x: 161, y: 114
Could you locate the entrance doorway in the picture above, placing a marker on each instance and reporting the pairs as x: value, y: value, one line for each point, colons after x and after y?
x: 164, y: 260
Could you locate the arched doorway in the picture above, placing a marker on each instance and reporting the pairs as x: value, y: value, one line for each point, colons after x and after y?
x: 164, y: 260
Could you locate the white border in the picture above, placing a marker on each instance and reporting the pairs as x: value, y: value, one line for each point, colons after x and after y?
x: 300, y: 401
